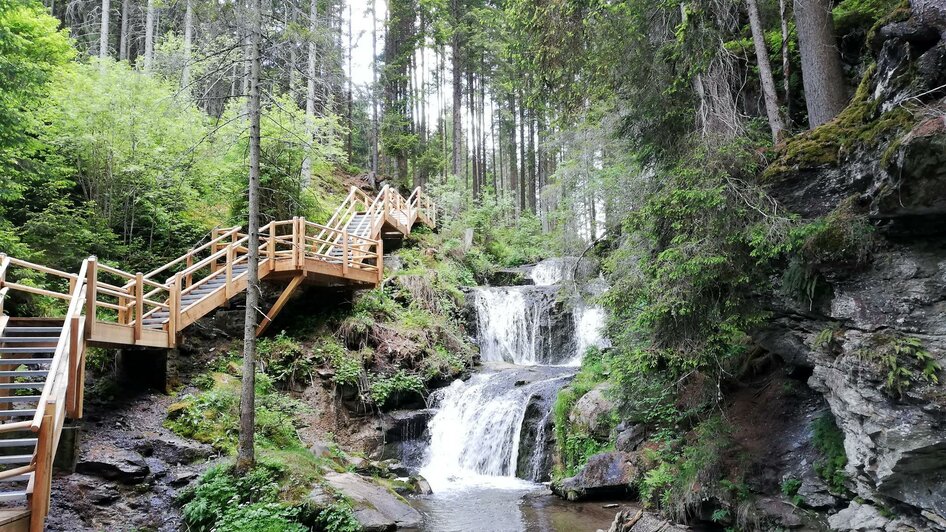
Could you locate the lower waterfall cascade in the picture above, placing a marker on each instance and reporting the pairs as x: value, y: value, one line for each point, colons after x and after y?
x: 494, y: 429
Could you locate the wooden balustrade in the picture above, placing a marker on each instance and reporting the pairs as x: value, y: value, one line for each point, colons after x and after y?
x: 109, y: 306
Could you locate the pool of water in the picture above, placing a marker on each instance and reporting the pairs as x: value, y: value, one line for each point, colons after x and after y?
x: 510, y: 505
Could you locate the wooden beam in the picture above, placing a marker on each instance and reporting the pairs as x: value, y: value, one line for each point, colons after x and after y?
x: 280, y: 303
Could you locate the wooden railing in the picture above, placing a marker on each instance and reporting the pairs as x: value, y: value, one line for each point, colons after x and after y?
x: 106, y: 305
x: 61, y: 394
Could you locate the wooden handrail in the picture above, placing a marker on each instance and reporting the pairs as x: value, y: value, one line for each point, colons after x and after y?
x: 193, y: 251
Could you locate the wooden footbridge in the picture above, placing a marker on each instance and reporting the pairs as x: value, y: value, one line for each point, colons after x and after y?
x: 42, y: 359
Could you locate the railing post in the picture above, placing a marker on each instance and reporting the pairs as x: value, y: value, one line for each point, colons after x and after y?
x: 302, y: 242
x: 42, y: 476
x: 213, y: 249
x: 380, y: 260
x: 72, y: 383
x: 188, y: 264
x: 174, y: 295
x: 91, y: 295
x: 271, y: 244
x: 344, y: 252
x: 229, y: 266
x: 295, y: 242
x: 139, y: 304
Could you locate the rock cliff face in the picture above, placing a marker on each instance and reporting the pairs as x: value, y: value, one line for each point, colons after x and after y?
x: 874, y: 341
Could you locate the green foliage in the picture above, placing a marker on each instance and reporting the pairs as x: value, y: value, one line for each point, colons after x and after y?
x: 33, y: 51
x: 829, y: 440
x: 284, y: 359
x: 211, y: 416
x: 337, y: 517
x: 575, y: 447
x: 685, y: 476
x: 903, y: 359
x: 382, y: 388
x: 223, y: 501
x: 790, y: 487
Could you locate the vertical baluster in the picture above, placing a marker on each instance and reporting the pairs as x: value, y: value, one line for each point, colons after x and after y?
x: 228, y: 290
x: 42, y: 476
x: 139, y: 304
x: 91, y: 295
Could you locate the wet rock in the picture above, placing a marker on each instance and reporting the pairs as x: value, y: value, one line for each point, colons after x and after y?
x: 641, y: 521
x: 815, y: 493
x: 779, y: 512
x: 104, y: 494
x: 629, y: 438
x: 592, y: 412
x: 106, y: 461
x: 174, y: 451
x: 510, y: 277
x: 402, y: 425
x: 375, y: 508
x: 319, y: 497
x: 182, y: 477
x: 607, y: 474
x: 421, y: 486
x: 858, y: 517
x: 397, y: 469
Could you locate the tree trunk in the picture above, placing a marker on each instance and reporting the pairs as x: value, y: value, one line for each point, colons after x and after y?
x: 103, y: 32
x: 246, y: 456
x: 765, y: 72
x: 123, y: 37
x: 825, y: 93
x: 351, y: 125
x: 188, y: 41
x: 374, y: 89
x: 149, y: 36
x: 786, y: 62
x: 522, y: 154
x: 457, y: 90
x: 513, y: 164
x: 311, y: 74
x: 532, y: 173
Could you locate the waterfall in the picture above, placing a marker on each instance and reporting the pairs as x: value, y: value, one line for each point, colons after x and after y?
x: 511, y: 322
x: 480, y: 432
x: 494, y: 429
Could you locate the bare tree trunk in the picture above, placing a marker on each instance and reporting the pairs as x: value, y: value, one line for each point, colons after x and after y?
x: 374, y: 88
x: 825, y: 93
x: 123, y: 37
x: 103, y: 32
x: 786, y: 62
x: 149, y: 36
x: 351, y: 125
x: 522, y: 154
x: 310, y: 93
x: 457, y: 89
x: 765, y: 72
x: 246, y: 456
x: 188, y: 41
x: 532, y: 170
x: 513, y: 164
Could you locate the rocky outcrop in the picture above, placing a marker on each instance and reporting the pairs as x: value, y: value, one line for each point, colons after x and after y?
x: 375, y: 508
x: 592, y: 412
x: 874, y: 342
x: 609, y: 474
x: 641, y: 521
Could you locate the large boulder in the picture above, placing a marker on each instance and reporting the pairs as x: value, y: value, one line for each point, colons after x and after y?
x: 375, y: 508
x: 592, y: 412
x: 610, y: 474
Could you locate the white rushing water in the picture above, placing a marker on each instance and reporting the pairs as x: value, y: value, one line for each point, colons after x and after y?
x: 527, y: 338
x: 509, y: 321
x: 477, y: 434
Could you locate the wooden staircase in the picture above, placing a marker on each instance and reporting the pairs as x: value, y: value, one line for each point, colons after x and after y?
x: 42, y: 360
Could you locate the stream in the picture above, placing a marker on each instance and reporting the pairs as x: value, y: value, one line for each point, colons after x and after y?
x: 490, y: 440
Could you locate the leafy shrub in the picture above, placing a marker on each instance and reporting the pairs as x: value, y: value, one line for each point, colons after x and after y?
x: 337, y: 517
x: 574, y: 448
x: 382, y: 388
x: 829, y: 440
x: 905, y: 361
x: 284, y: 359
x: 790, y: 487
x: 224, y: 501
x: 212, y: 416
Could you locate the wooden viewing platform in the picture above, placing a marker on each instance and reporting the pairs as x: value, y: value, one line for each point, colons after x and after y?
x: 42, y: 360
